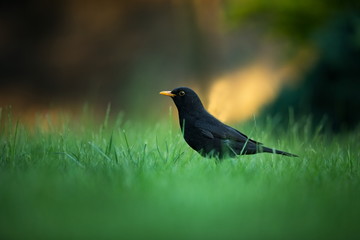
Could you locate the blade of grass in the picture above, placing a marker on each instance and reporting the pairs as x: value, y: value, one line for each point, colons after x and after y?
x: 127, y: 145
x: 72, y: 158
x: 100, y: 151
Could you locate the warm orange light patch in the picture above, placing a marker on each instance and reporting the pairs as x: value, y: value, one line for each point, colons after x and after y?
x: 239, y: 95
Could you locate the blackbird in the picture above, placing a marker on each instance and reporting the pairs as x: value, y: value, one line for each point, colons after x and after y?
x: 206, y: 134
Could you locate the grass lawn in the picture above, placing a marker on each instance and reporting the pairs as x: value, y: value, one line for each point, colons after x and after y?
x: 122, y: 179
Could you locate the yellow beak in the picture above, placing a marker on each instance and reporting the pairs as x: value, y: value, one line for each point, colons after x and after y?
x: 167, y: 93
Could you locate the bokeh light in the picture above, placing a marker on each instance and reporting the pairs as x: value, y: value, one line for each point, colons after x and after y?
x: 241, y: 94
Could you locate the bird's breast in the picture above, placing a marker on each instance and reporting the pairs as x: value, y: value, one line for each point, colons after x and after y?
x: 194, y: 138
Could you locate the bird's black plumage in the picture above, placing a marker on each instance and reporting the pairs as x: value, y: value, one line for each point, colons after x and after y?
x: 206, y: 134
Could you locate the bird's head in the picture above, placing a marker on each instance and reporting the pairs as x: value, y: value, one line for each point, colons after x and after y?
x: 184, y: 98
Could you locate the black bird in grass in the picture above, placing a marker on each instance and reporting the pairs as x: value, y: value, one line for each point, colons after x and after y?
x: 206, y: 134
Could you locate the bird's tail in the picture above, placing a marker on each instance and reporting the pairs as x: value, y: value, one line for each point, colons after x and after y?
x: 272, y: 150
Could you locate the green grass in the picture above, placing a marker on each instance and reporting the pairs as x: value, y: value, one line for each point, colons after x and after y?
x: 125, y: 179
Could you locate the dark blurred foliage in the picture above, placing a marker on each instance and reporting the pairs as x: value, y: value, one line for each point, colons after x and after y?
x: 295, y: 20
x: 125, y: 52
x: 331, y: 87
x: 122, y: 52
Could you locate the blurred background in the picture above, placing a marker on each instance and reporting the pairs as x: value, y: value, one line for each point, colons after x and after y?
x: 245, y: 58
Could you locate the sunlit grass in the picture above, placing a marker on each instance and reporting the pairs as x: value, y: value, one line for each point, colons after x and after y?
x: 127, y: 179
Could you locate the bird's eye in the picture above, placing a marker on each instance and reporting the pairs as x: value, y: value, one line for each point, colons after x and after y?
x: 181, y: 93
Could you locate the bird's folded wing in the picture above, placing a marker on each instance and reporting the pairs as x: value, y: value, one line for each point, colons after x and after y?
x: 223, y: 132
x: 206, y: 133
x: 244, y: 137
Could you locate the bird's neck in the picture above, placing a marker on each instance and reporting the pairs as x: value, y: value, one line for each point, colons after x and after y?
x: 189, y: 107
x: 186, y: 116
x: 189, y: 111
